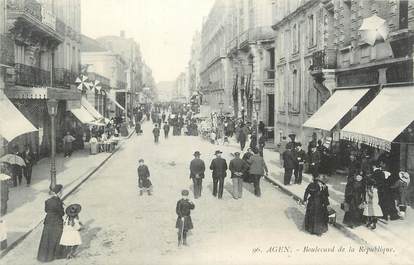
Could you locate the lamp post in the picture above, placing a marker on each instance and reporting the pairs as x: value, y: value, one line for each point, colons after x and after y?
x: 257, y: 103
x: 242, y: 113
x: 221, y: 105
x: 52, y: 106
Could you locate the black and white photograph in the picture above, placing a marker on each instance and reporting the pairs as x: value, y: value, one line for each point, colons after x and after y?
x: 206, y: 132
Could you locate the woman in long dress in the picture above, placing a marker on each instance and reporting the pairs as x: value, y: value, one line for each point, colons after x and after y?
x: 354, y: 198
x: 49, y: 248
x: 317, y: 199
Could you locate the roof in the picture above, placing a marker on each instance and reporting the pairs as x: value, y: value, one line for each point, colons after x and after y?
x: 90, y: 45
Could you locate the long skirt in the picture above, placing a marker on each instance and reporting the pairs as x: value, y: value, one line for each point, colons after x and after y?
x: 49, y: 248
x: 316, y: 217
x: 353, y: 217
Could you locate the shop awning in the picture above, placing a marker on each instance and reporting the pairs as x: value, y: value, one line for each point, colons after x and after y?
x: 12, y: 122
x: 115, y: 102
x: 88, y: 106
x: 335, y: 108
x: 83, y: 115
x: 391, y: 112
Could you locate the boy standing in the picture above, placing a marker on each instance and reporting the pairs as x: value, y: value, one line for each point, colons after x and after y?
x: 144, y: 183
x: 184, y: 222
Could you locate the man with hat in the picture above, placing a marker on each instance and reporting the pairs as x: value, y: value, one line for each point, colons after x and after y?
x: 257, y: 169
x: 184, y: 222
x: 289, y: 164
x: 219, y: 167
x: 144, y: 183
x: 300, y: 156
x: 292, y: 144
x: 156, y: 132
x: 237, y: 167
x: 197, y: 168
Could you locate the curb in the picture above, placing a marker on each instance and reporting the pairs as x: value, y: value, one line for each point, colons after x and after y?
x: 343, y: 229
x: 21, y: 238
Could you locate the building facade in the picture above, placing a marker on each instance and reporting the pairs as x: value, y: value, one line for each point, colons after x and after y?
x: 214, y: 65
x: 302, y: 29
x: 181, y: 88
x: 130, y: 51
x: 46, y: 49
x: 194, y: 65
x: 111, y: 66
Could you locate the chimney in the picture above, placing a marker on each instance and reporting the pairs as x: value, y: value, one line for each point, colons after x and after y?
x: 122, y: 33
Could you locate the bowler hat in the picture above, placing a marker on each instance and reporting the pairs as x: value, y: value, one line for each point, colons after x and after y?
x: 292, y: 136
x: 141, y: 160
x: 196, y: 153
x: 73, y: 210
x: 184, y: 193
x: 218, y: 152
x: 57, y: 188
x: 236, y: 153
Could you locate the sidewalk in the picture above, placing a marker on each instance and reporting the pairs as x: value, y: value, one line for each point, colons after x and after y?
x: 398, y: 234
x: 26, y: 204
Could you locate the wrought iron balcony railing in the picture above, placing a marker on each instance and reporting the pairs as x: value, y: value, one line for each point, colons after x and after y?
x: 324, y: 59
x: 30, y: 7
x: 26, y: 75
x: 63, y: 77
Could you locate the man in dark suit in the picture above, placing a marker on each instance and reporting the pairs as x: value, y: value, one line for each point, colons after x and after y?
x: 197, y: 168
x: 29, y: 158
x: 166, y: 130
x: 16, y: 169
x: 300, y: 156
x: 314, y: 161
x: 238, y: 167
x: 257, y: 169
x: 219, y: 168
x: 289, y: 163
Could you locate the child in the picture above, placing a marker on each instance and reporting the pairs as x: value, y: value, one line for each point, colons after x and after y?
x: 372, y: 210
x: 144, y: 183
x: 184, y: 222
x: 71, y: 238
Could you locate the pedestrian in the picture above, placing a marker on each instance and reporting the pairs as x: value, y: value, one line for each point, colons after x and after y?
x: 257, y: 169
x: 354, y: 199
x: 245, y: 158
x: 262, y: 127
x: 292, y: 143
x: 242, y: 136
x: 71, y: 238
x: 138, y: 129
x: 184, y: 222
x: 29, y: 158
x: 372, y: 210
x: 316, y: 198
x: 289, y: 163
x: 156, y: 133
x: 219, y: 167
x: 166, y: 130
x: 282, y: 148
x: 67, y: 144
x: 49, y: 248
x: 400, y: 193
x: 314, y: 161
x: 300, y: 156
x: 15, y: 168
x: 238, y: 167
x: 197, y: 168
x: 144, y: 182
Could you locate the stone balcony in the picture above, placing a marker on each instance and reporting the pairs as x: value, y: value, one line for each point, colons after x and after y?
x: 324, y: 59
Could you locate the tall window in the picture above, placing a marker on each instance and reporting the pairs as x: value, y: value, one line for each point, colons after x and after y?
x: 282, y: 45
x: 403, y: 17
x: 286, y: 44
x: 346, y: 36
x: 295, y: 92
x: 311, y: 30
x: 281, y: 90
x: 294, y: 39
x: 251, y: 14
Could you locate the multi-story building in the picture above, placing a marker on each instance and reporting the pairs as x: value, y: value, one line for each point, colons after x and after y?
x: 181, y: 88
x: 250, y: 48
x: 214, y: 68
x: 111, y: 66
x: 150, y: 90
x: 194, y: 65
x: 129, y: 50
x: 46, y: 44
x: 303, y: 30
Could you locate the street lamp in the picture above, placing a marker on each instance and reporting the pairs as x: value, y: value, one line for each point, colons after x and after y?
x: 221, y: 105
x: 257, y: 102
x: 52, y: 107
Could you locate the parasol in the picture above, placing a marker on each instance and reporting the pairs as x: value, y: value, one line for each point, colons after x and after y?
x: 13, y: 160
x: 374, y: 29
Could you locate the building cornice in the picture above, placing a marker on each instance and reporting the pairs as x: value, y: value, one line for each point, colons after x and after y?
x: 302, y: 9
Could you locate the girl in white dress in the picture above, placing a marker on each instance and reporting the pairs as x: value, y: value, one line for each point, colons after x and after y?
x: 71, y: 238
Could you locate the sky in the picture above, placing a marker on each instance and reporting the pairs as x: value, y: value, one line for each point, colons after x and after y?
x: 163, y: 28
